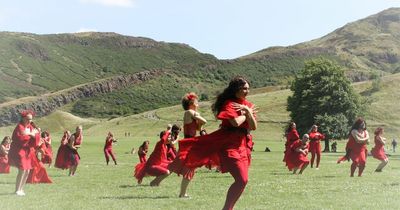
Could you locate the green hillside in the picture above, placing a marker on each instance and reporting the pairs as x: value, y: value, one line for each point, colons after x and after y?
x: 32, y: 65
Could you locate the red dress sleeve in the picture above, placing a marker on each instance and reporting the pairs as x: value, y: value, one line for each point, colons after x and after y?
x: 227, y: 111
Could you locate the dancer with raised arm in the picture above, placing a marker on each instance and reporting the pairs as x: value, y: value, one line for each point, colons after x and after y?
x: 108, y: 150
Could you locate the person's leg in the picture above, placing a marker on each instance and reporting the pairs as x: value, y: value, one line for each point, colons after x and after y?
x: 361, y: 169
x: 156, y: 181
x: 113, y: 157
x: 313, y: 158
x: 382, y: 165
x: 295, y: 170
x: 240, y: 173
x: 106, y: 156
x: 304, y: 166
x: 318, y: 158
x: 353, y: 168
x: 24, y: 178
x: 184, y: 185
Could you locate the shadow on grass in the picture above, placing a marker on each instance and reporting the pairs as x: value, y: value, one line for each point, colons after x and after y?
x: 5, y: 183
x: 6, y: 194
x: 133, y: 197
x: 136, y: 186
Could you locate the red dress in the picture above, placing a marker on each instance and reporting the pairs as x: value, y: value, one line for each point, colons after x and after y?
x: 47, y: 156
x: 4, y: 166
x: 38, y: 174
x: 73, y: 157
x: 315, y: 138
x: 142, y: 156
x: 297, y: 159
x: 358, y: 152
x: 108, y: 150
x: 20, y: 149
x: 157, y: 163
x: 291, y: 137
x: 62, y: 154
x: 228, y: 148
x: 378, y: 151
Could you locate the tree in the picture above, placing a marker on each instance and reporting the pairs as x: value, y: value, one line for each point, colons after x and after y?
x: 323, y: 95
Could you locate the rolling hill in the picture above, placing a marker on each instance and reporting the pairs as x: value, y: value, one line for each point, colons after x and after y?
x: 33, y: 65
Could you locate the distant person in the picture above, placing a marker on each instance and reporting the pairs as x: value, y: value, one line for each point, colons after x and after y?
x: 4, y: 149
x: 61, y: 157
x: 157, y: 163
x: 108, y: 150
x: 47, y: 154
x: 394, y: 145
x: 378, y: 151
x: 291, y: 136
x: 25, y: 137
x: 356, y: 148
x: 334, y: 146
x: 297, y: 155
x: 315, y: 146
x: 192, y: 124
x: 143, y: 150
x: 74, y: 143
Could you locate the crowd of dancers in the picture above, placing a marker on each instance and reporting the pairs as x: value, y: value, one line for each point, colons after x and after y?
x: 228, y: 149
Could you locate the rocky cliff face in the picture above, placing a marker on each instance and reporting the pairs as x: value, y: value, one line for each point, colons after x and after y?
x: 48, y: 103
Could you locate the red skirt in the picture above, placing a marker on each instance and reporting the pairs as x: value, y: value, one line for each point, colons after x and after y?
x: 4, y: 166
x: 47, y: 156
x: 72, y: 158
x: 20, y: 158
x: 378, y: 153
x: 146, y: 169
x: 38, y: 174
x: 61, y: 157
x: 315, y: 147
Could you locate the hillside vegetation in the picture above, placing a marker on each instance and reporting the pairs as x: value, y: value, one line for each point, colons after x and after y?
x: 32, y: 64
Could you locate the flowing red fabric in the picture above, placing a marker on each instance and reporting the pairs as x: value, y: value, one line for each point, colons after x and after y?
x: 62, y: 156
x: 38, y: 174
x: 157, y: 163
x: 4, y: 166
x: 73, y: 157
x: 19, y: 154
x: 297, y: 159
x: 378, y: 151
x: 291, y: 137
x: 358, y: 152
x: 223, y: 148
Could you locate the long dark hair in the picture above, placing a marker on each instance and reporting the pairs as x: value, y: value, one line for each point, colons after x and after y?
x: 229, y: 93
x: 289, y: 127
x: 357, y: 124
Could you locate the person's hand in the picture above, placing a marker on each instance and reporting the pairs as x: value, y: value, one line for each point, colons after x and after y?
x: 245, y: 110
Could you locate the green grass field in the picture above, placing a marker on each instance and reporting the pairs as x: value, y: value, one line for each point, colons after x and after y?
x: 271, y: 185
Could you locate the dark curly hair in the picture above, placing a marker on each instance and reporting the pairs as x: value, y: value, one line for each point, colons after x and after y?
x: 229, y: 93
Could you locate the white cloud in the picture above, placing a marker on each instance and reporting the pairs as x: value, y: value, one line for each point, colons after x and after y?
x: 116, y: 3
x: 86, y: 30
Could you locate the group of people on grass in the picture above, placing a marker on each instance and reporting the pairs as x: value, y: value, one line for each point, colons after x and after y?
x: 29, y: 149
x: 228, y: 149
x: 296, y: 149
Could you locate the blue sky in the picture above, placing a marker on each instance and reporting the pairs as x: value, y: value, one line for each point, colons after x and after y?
x: 224, y: 28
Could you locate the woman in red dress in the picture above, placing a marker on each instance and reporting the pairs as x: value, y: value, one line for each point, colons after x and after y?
x: 142, y: 152
x: 356, y: 148
x: 47, y: 151
x: 157, y: 163
x: 38, y: 174
x: 228, y: 148
x: 25, y: 137
x: 315, y: 146
x: 108, y: 151
x: 4, y: 148
x: 61, y: 157
x: 74, y: 143
x: 192, y: 122
x: 378, y: 151
x: 297, y: 155
x: 291, y: 136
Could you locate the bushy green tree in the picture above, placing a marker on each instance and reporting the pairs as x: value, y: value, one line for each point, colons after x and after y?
x: 323, y: 95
